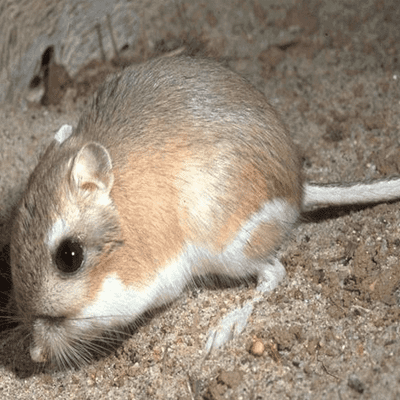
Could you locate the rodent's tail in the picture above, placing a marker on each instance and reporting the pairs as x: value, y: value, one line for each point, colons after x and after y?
x: 377, y: 191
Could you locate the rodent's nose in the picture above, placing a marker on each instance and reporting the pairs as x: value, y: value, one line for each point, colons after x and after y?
x: 37, y: 353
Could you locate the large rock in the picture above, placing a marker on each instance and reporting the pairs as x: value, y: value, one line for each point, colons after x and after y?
x: 69, y: 30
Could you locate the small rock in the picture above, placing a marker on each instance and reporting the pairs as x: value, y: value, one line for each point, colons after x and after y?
x: 257, y: 349
x: 355, y: 383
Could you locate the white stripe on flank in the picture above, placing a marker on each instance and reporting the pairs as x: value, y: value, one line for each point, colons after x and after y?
x: 117, y: 303
x: 278, y: 211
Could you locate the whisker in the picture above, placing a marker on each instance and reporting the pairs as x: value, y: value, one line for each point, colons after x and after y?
x: 73, y: 346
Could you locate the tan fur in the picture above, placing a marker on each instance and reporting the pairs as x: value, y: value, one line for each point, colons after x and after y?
x: 163, y: 186
x: 248, y: 192
x: 264, y: 240
x: 171, y: 191
x: 172, y: 158
x: 147, y: 199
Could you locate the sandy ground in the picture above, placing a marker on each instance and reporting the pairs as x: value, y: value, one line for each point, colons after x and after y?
x: 331, y: 330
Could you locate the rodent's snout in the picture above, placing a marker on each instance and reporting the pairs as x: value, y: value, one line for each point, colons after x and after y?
x: 48, y: 334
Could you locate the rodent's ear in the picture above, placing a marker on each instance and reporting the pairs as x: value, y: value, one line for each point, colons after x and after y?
x: 92, y: 169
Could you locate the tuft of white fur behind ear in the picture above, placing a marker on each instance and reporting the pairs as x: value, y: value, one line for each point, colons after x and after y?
x: 92, y: 169
x: 63, y: 133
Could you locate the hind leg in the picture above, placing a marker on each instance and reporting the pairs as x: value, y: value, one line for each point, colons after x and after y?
x: 253, y: 251
x: 271, y: 274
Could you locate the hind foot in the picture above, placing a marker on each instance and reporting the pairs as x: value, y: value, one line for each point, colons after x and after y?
x: 234, y: 323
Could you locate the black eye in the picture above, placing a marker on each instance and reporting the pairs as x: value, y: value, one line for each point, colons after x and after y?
x: 69, y: 256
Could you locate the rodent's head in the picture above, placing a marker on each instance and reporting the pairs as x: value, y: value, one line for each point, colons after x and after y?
x: 65, y: 223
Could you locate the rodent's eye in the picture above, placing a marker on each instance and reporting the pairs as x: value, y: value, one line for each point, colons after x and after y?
x: 69, y: 256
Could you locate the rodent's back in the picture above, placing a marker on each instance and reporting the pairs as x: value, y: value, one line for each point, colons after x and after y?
x: 207, y: 105
x: 198, y: 151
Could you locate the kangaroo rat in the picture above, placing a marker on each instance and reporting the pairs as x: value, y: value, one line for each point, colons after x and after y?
x: 178, y: 168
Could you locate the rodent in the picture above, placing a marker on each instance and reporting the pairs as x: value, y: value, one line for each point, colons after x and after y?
x: 177, y: 168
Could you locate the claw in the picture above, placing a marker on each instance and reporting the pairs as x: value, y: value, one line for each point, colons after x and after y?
x: 232, y: 324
